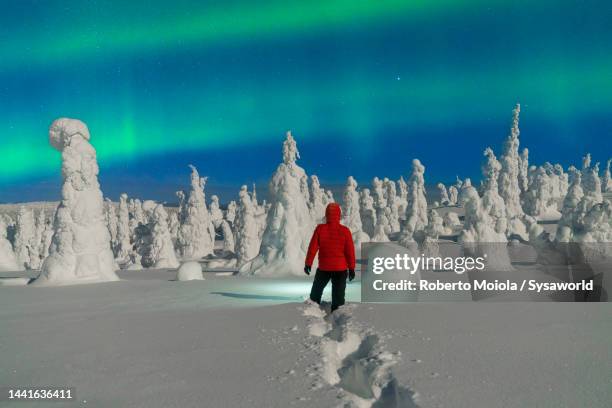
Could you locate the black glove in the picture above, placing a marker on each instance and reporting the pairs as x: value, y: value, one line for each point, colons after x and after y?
x: 307, y: 270
x: 351, y: 274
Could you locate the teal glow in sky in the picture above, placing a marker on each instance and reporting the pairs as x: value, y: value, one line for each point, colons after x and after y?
x: 364, y: 86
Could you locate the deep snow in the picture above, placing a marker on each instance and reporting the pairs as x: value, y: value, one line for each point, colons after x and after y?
x: 149, y: 341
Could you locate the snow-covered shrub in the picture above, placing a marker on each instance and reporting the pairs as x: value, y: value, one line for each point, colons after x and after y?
x: 190, y: 270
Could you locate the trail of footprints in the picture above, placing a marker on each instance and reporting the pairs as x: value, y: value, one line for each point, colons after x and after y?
x: 354, y: 361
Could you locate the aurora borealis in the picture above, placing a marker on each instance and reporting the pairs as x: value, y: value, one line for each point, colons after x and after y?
x: 365, y: 86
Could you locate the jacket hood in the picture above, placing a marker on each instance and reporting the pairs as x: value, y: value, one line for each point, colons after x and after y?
x: 333, y: 213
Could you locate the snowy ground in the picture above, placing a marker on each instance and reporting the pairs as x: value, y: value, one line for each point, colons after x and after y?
x: 246, y: 342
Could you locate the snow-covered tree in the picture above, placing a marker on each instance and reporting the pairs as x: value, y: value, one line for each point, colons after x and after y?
x: 416, y: 213
x: 392, y: 204
x: 451, y: 221
x: 539, y: 198
x: 380, y: 234
x: 173, y: 225
x: 8, y: 260
x: 137, y: 218
x: 247, y: 238
x: 228, y: 237
x: 563, y: 180
x: 123, y: 246
x: 80, y: 251
x: 453, y: 195
x: 591, y: 183
x: 254, y: 196
x: 380, y: 204
x: 230, y: 214
x: 160, y: 251
x: 491, y: 202
x: 433, y: 230
x: 195, y: 235
x: 524, y: 170
x: 367, y: 212
x: 289, y: 225
x: 606, y: 181
x: 509, y: 187
x: 444, y: 200
x: 570, y: 204
x: 25, y: 230
x: 111, y: 220
x: 480, y: 237
x: 350, y: 211
x: 317, y: 200
x: 36, y: 244
x: 46, y: 239
x: 403, y: 198
x: 328, y: 198
x: 216, y: 215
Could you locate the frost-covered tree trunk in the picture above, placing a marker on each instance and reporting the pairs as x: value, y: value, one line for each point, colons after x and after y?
x: 317, y: 200
x: 8, y: 260
x: 367, y: 212
x: 80, y: 251
x: 25, y: 231
x: 247, y: 236
x: 123, y: 247
x: 289, y: 225
x: 161, y: 251
x: 195, y: 236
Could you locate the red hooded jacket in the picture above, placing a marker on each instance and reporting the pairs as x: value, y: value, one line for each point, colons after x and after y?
x: 334, y: 243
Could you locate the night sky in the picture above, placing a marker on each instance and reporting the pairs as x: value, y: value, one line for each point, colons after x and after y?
x: 365, y: 86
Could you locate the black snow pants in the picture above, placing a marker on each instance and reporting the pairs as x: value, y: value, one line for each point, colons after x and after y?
x: 338, y: 287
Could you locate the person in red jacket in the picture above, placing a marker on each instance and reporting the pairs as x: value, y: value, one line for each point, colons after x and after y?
x: 334, y: 243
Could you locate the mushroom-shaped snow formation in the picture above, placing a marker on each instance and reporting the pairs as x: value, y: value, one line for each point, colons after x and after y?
x: 80, y: 250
